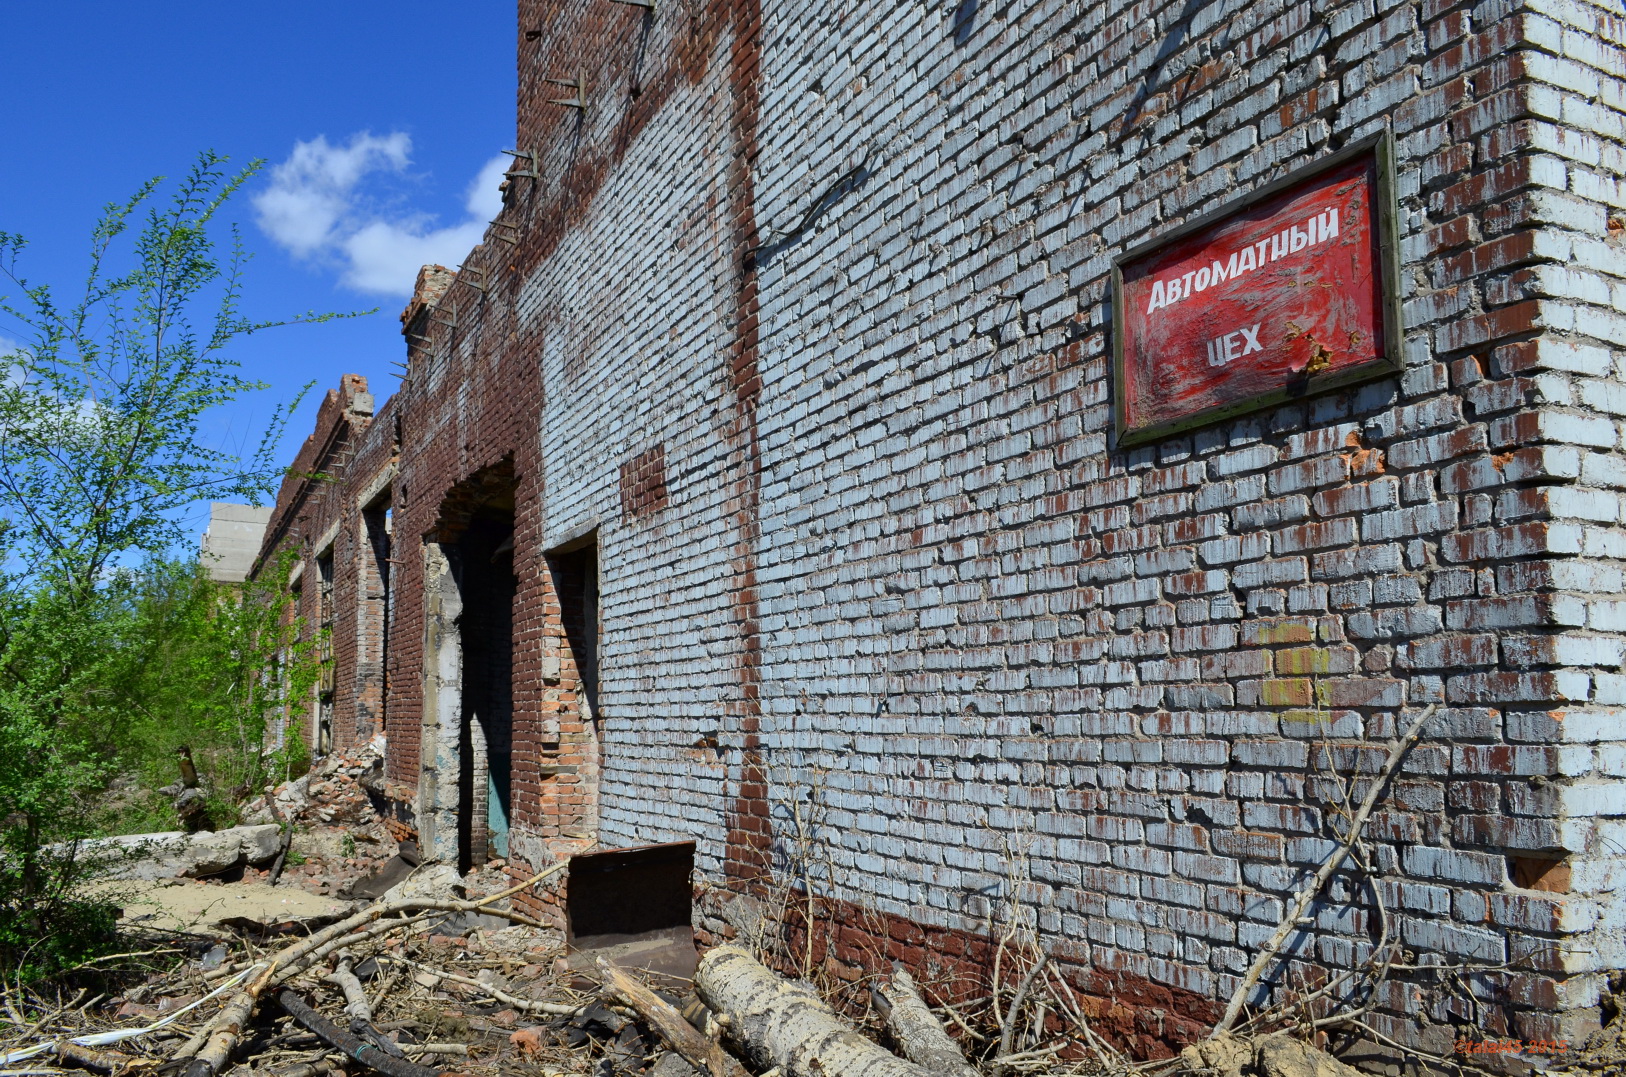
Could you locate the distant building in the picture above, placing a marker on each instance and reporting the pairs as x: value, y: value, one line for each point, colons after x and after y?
x: 232, y: 540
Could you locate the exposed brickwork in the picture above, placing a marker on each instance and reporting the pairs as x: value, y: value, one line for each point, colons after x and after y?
x: 1148, y: 1020
x: 643, y: 483
x: 848, y: 271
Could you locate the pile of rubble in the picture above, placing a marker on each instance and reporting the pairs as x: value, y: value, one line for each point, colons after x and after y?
x: 328, y: 833
x: 317, y: 847
x: 407, y: 987
x: 403, y: 987
x: 414, y: 971
x: 338, y: 815
x: 407, y: 979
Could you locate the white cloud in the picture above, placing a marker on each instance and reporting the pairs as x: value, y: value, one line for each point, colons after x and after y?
x: 12, y: 354
x: 312, y: 192
x: 485, y: 199
x: 316, y: 207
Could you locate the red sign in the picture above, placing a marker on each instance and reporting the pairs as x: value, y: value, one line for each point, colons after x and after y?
x: 1283, y: 295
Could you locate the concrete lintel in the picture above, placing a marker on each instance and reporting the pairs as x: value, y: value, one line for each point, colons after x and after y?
x: 571, y: 538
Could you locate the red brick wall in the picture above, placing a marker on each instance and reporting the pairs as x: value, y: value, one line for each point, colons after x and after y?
x: 643, y: 483
x: 853, y: 944
x: 309, y: 514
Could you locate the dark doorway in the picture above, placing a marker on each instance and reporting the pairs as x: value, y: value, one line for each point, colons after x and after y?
x: 485, y: 570
x: 375, y: 615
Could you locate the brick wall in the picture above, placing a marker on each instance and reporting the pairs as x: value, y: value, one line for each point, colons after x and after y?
x: 803, y: 323
x: 306, y: 517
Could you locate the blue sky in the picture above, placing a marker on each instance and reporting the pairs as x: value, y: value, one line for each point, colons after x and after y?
x: 381, y: 125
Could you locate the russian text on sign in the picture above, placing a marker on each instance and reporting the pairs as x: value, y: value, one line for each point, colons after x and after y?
x: 1318, y: 228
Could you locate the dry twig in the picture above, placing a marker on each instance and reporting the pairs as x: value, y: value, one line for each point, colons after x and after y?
x: 1007, y: 1025
x: 1301, y: 901
x: 524, y: 1005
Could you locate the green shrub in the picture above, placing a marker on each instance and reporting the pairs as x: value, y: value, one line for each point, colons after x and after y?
x: 112, y: 653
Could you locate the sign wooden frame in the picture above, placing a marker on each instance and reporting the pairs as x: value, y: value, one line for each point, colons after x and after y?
x: 1389, y: 360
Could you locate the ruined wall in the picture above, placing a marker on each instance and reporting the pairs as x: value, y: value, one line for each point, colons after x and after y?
x: 308, y: 518
x: 637, y: 344
x: 983, y: 625
x: 800, y: 326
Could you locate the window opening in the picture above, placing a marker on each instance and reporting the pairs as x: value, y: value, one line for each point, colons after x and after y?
x: 575, y: 575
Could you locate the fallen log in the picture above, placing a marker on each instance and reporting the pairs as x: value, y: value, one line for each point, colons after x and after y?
x: 700, y: 1051
x: 69, y: 1053
x: 368, y: 1054
x: 216, y: 1040
x: 219, y: 1036
x: 774, y: 1023
x: 919, y: 1034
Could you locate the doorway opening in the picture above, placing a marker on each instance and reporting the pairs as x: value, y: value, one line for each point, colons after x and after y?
x: 374, y: 619
x: 485, y: 560
x: 465, y: 787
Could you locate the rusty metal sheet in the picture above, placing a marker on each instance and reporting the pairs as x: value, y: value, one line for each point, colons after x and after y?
x: 1285, y: 293
x: 634, y: 906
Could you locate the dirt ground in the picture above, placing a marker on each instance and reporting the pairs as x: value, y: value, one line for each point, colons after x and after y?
x: 197, y: 905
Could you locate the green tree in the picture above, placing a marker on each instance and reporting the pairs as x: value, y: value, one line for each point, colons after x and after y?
x: 101, y: 448
x: 101, y: 412
x: 210, y: 666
